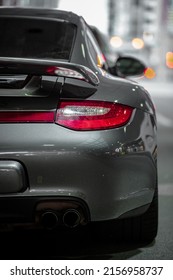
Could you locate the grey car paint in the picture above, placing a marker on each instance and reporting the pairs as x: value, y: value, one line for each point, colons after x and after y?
x: 109, y: 173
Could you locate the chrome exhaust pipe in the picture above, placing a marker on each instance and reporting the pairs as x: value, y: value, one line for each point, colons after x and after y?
x: 71, y: 218
x: 49, y: 220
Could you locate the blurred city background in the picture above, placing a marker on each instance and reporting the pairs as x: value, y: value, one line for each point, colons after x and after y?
x: 142, y: 28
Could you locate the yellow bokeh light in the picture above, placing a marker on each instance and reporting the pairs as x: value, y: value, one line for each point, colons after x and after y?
x: 137, y: 43
x: 169, y: 59
x: 116, y: 41
x: 149, y: 73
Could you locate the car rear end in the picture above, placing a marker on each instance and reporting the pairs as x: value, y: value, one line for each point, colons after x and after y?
x: 68, y: 156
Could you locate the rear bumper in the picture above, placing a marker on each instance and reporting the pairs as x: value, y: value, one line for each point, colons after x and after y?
x: 110, y: 172
x: 110, y: 189
x: 49, y: 213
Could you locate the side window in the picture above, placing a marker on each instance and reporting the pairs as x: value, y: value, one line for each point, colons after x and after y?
x: 95, y: 52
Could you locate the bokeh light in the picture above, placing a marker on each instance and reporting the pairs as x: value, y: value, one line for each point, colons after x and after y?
x: 169, y: 59
x: 149, y: 73
x: 137, y: 43
x: 116, y: 41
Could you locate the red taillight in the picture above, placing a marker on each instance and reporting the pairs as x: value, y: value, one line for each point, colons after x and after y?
x: 77, y: 115
x: 23, y: 117
x: 92, y: 115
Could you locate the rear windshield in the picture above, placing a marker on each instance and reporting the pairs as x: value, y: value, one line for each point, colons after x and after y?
x: 36, y: 38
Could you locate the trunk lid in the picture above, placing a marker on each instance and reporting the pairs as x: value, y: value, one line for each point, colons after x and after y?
x: 28, y: 85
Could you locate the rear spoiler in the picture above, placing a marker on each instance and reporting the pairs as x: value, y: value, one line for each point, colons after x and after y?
x: 38, y: 67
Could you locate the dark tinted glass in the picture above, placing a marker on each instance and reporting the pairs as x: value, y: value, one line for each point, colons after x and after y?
x: 36, y: 38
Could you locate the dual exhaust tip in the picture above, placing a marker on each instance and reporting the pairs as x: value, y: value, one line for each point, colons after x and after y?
x: 71, y: 218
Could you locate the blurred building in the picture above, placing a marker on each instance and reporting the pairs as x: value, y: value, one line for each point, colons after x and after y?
x: 170, y: 17
x: 34, y: 3
x: 134, y: 18
x: 147, y: 21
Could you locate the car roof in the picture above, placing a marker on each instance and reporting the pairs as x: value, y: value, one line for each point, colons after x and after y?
x: 40, y: 12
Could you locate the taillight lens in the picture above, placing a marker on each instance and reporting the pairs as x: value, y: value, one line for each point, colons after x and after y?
x: 77, y: 115
x: 27, y: 117
x: 92, y: 115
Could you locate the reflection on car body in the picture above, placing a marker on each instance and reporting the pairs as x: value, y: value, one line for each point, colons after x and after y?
x: 74, y: 146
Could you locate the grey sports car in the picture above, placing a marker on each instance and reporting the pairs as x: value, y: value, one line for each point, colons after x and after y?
x: 78, y: 140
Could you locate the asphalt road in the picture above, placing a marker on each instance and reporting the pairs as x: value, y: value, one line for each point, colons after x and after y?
x: 69, y: 246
